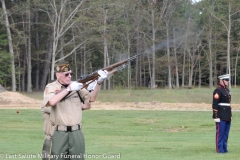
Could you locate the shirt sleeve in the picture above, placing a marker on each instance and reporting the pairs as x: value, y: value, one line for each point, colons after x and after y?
x: 49, y: 92
x: 216, y: 97
x: 46, y: 109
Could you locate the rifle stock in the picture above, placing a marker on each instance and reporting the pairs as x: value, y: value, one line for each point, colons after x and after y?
x: 111, y: 69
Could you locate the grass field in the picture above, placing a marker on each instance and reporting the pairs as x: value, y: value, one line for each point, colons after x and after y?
x: 132, y: 135
x: 203, y: 95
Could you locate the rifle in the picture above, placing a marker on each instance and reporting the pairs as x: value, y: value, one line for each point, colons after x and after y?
x: 111, y: 70
x: 86, y: 80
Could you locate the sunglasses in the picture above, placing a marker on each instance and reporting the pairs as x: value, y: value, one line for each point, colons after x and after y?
x: 226, y: 79
x: 67, y: 74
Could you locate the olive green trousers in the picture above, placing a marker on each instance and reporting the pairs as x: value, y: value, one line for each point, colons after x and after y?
x: 46, y: 149
x: 67, y: 145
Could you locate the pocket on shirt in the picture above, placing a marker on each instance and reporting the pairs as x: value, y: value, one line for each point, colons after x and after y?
x: 75, y: 99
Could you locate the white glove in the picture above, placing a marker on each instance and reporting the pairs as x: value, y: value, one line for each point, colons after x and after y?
x: 91, y: 86
x: 216, y: 120
x: 75, y: 86
x: 103, y: 75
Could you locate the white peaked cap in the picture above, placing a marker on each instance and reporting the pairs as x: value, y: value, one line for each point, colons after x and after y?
x: 225, y: 76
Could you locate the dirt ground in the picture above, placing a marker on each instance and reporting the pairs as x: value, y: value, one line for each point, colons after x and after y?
x: 14, y: 100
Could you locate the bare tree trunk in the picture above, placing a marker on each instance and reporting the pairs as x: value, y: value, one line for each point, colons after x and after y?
x: 137, y: 59
x: 46, y: 65
x: 24, y: 73
x: 84, y: 52
x: 184, y: 53
x: 75, y: 56
x: 184, y: 65
x: 128, y: 56
x: 37, y: 54
x: 228, y: 41
x: 199, y: 75
x: 190, y: 72
x: 29, y: 57
x: 137, y: 46
x: 54, y: 39
x: 168, y: 55
x: 105, y: 54
x: 140, y: 71
x: 153, y: 48
x: 235, y: 70
x: 210, y: 53
x: 10, y: 46
x: 210, y: 59
x: 215, y: 65
x: 108, y: 80
x: 62, y: 37
x: 175, y: 59
x: 19, y: 73
x: 149, y: 69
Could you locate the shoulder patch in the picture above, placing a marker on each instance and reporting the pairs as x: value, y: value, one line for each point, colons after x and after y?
x: 216, y: 96
x: 57, y: 91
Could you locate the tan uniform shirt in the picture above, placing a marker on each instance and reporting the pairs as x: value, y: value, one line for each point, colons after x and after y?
x: 48, y: 127
x: 69, y: 111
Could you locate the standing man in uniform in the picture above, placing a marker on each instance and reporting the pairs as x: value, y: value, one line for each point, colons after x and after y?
x: 67, y: 99
x: 222, y: 113
x: 48, y: 128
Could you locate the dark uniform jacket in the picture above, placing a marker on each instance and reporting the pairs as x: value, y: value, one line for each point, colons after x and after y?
x: 221, y: 103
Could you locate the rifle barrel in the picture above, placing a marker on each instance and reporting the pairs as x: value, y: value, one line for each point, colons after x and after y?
x: 94, y: 75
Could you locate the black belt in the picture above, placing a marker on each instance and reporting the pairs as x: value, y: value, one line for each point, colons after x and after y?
x: 68, y: 128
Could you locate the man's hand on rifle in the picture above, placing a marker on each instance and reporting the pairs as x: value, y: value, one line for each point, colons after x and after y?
x: 75, y: 86
x: 91, y: 86
x: 102, y: 75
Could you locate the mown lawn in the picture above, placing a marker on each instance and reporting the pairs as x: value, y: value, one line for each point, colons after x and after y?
x: 196, y: 95
x: 128, y: 135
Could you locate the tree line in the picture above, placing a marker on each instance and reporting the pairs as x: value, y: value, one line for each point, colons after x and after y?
x: 182, y: 43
